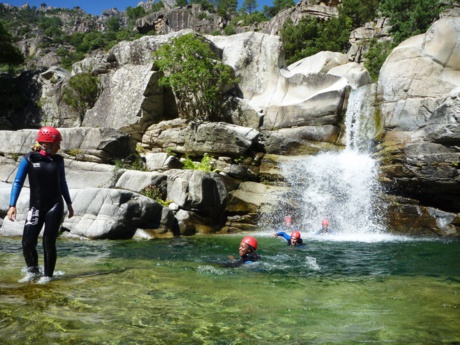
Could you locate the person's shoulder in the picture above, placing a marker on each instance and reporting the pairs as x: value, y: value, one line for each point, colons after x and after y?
x: 58, y: 158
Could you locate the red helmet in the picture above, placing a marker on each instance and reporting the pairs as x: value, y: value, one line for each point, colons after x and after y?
x: 295, y: 234
x: 48, y: 135
x: 251, y: 241
x: 325, y: 222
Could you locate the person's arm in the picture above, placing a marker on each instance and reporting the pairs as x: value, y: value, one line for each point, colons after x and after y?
x: 18, y: 183
x: 286, y: 236
x: 65, y: 190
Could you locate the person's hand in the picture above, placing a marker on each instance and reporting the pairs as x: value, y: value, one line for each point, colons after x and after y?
x: 12, y: 213
x: 231, y: 257
x: 275, y: 235
x: 70, y: 208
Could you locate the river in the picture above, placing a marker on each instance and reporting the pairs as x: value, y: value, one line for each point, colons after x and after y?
x: 379, y: 289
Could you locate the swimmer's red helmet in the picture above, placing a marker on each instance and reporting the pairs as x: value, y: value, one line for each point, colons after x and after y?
x: 49, y: 134
x: 325, y: 222
x: 295, y: 234
x: 251, y: 241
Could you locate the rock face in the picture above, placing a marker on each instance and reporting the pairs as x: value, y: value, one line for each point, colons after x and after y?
x: 282, y: 112
x: 419, y: 89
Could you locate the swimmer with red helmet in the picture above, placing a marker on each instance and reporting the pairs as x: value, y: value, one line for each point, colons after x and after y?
x: 247, y: 251
x: 45, y: 169
x: 295, y: 238
x: 325, y: 230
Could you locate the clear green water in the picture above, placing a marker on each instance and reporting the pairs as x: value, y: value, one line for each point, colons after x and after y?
x: 174, y: 291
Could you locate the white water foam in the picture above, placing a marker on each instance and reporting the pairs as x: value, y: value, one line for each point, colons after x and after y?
x: 339, y: 186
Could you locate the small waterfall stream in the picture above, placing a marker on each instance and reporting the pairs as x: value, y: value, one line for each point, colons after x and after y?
x: 340, y: 186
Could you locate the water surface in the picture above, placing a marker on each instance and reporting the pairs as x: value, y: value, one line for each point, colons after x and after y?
x: 175, y: 291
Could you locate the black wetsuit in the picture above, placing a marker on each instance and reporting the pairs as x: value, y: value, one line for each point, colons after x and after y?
x: 47, y: 187
x: 247, y: 258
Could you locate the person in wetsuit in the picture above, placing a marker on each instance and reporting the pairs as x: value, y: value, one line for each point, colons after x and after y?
x: 292, y: 240
x: 325, y: 230
x: 48, y: 185
x: 247, y: 252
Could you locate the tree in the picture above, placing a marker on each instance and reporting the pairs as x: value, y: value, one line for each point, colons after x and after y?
x: 113, y: 24
x: 9, y: 54
x: 410, y: 17
x: 181, y: 3
x: 227, y: 8
x: 81, y: 92
x: 282, y: 4
x: 376, y: 56
x: 192, y: 70
x: 249, y: 6
x: 360, y: 11
x: 135, y: 13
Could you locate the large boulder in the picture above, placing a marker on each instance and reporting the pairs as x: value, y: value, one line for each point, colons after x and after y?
x: 112, y: 214
x: 425, y: 164
x: 99, y: 213
x: 131, y: 100
x: 418, y: 74
x: 419, y: 91
x: 197, y: 139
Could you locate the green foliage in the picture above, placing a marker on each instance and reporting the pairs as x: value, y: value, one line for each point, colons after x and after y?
x: 205, y: 4
x: 204, y: 165
x: 243, y: 160
x: 81, y: 92
x: 51, y: 26
x: 249, y: 6
x: 181, y: 3
x: 74, y: 152
x: 247, y: 19
x: 410, y: 17
x: 9, y: 54
x: 157, y: 6
x: 155, y: 193
x: 376, y: 56
x: 133, y: 162
x: 227, y: 8
x: 113, y: 24
x: 312, y: 36
x: 170, y: 152
x: 278, y: 5
x: 195, y: 75
x: 359, y: 11
x: 135, y: 12
x: 229, y: 30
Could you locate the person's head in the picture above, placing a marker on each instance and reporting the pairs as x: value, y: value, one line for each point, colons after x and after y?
x: 247, y: 245
x: 50, y: 139
x: 325, y: 223
x: 288, y: 220
x: 295, y: 237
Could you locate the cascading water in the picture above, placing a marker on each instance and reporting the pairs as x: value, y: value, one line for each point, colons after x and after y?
x: 339, y: 186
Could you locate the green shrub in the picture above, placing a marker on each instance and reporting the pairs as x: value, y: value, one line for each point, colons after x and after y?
x: 204, y: 165
x: 81, y: 92
x: 195, y: 75
x: 133, y: 162
x: 376, y: 56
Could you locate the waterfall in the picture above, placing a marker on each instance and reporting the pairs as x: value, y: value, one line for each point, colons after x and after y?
x: 340, y: 186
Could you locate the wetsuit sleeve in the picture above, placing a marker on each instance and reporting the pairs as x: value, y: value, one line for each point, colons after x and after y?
x: 282, y: 233
x: 64, y: 187
x: 21, y: 175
